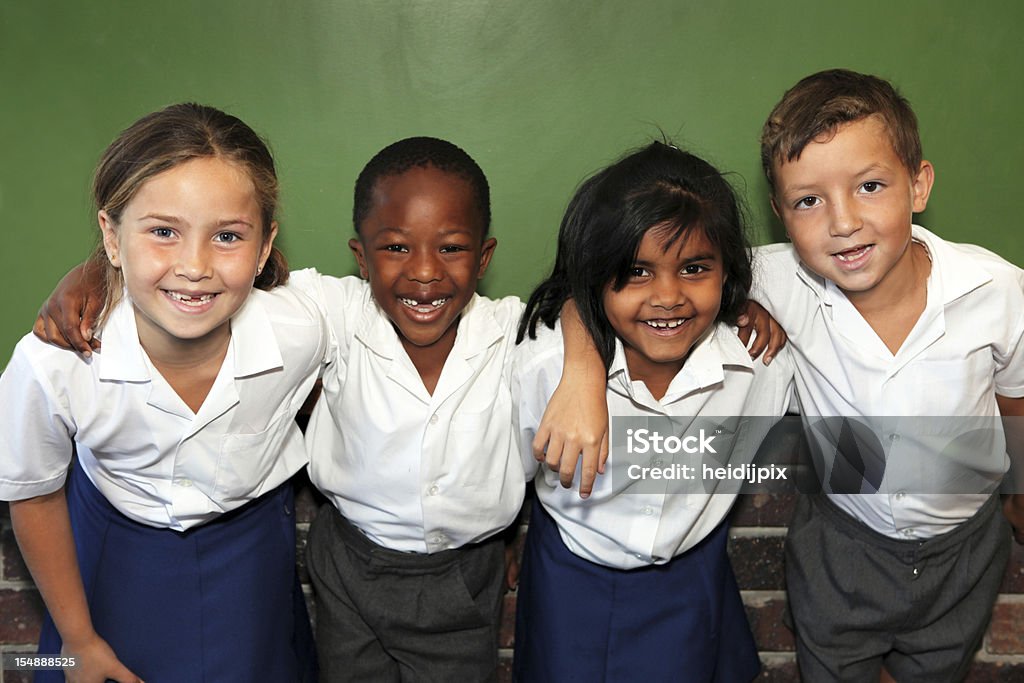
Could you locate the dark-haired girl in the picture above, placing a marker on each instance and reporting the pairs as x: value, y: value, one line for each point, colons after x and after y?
x: 633, y: 583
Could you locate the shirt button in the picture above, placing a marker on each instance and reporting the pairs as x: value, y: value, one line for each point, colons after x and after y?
x: 647, y: 510
x: 908, y: 532
x: 433, y: 419
x: 433, y: 490
x: 638, y: 556
x: 894, y: 437
x: 900, y: 495
x: 184, y: 483
x: 439, y: 539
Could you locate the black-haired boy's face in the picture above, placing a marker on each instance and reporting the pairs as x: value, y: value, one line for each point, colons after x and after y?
x: 422, y: 248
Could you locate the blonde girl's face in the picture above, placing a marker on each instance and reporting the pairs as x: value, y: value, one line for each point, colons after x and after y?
x: 189, y: 245
x: 670, y: 300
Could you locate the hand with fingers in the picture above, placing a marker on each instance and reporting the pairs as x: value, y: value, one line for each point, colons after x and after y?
x: 68, y: 318
x: 768, y: 335
x: 575, y: 426
x: 95, y: 662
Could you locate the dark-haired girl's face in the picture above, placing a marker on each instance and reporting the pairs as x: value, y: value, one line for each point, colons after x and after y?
x: 670, y: 300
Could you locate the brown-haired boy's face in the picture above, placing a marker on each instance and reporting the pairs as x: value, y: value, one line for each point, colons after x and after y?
x: 423, y: 250
x: 848, y: 203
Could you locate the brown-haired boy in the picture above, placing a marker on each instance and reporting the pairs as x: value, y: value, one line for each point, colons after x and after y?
x: 920, y: 340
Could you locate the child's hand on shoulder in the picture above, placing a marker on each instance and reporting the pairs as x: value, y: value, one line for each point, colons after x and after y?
x: 769, y: 336
x: 67, y: 318
x: 575, y: 424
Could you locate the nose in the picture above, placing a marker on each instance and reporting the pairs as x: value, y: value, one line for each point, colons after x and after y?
x: 666, y: 292
x: 424, y: 266
x: 845, y: 219
x: 193, y: 260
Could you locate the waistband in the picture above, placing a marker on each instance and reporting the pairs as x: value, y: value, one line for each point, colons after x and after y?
x: 358, y: 542
x: 917, y: 547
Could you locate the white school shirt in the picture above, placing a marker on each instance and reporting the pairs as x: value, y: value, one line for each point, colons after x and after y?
x: 964, y: 349
x: 415, y: 472
x: 625, y: 524
x: 156, y: 461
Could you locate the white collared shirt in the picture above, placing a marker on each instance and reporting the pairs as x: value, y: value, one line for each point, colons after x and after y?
x: 625, y: 523
x: 155, y: 460
x: 964, y: 349
x: 415, y: 472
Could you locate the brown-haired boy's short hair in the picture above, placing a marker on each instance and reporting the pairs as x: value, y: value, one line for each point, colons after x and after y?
x: 822, y: 102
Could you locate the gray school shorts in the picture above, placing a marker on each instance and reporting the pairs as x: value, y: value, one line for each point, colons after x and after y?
x: 859, y: 599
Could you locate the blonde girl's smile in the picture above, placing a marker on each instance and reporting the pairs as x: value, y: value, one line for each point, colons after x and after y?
x: 189, y: 245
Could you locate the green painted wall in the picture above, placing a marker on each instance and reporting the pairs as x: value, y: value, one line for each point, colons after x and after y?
x: 541, y: 93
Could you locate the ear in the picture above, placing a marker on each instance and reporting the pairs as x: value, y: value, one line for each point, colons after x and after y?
x: 357, y: 249
x: 110, y: 243
x: 268, y: 245
x: 486, y: 252
x: 922, y: 186
x: 775, y: 208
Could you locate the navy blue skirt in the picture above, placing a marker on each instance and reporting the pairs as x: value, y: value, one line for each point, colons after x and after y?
x: 219, y: 602
x: 581, y: 621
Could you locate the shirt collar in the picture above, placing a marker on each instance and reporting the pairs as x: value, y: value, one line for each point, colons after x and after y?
x: 951, y: 275
x: 478, y: 330
x: 717, y: 349
x: 122, y: 357
x: 950, y: 278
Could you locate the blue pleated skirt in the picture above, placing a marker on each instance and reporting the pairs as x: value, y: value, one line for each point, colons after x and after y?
x: 218, y: 603
x: 581, y: 621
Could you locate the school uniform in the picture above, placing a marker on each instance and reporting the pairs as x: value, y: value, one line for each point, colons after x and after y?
x: 913, y: 554
x: 182, y: 521
x: 405, y: 559
x: 633, y: 583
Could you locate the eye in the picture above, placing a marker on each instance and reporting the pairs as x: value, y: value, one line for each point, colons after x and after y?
x: 695, y: 269
x: 638, y: 272
x: 806, y: 202
x: 394, y: 248
x: 163, y: 233
x: 871, y: 186
x: 453, y: 248
x: 227, y: 237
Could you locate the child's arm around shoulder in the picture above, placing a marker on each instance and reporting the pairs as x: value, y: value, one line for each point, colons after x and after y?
x: 575, y: 421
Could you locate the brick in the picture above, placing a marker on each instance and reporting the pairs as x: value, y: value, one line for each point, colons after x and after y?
x: 757, y: 561
x: 12, y: 567
x: 778, y: 669
x: 763, y: 509
x: 996, y: 672
x: 17, y: 676
x: 301, y: 541
x: 504, y: 669
x: 1006, y: 632
x: 765, y: 616
x: 507, y: 624
x: 1013, y: 580
x: 307, y: 498
x: 22, y: 612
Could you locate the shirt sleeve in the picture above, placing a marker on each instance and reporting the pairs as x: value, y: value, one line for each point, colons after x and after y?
x: 37, y: 429
x: 340, y: 299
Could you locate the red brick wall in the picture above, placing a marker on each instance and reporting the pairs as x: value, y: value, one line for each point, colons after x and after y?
x: 756, y: 548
